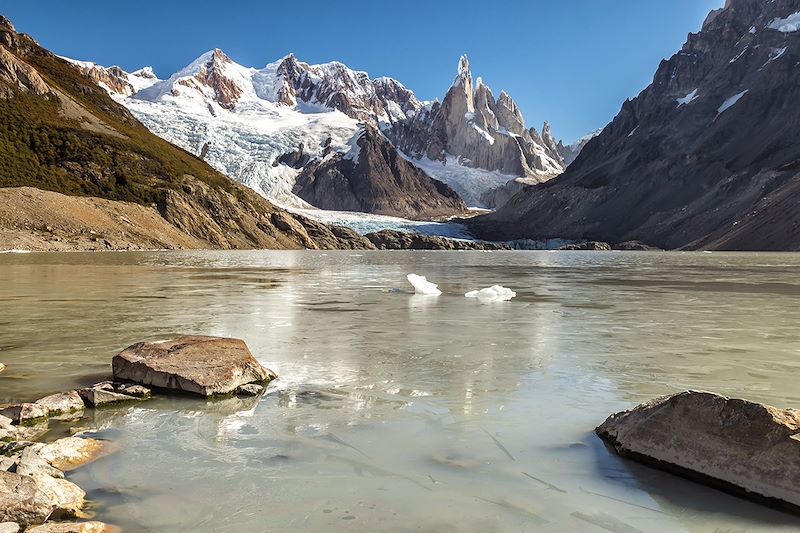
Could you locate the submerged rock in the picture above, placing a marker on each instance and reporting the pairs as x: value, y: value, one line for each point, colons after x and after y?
x: 2, y: 367
x: 22, y: 501
x: 206, y: 366
x: 62, y: 403
x: 748, y: 449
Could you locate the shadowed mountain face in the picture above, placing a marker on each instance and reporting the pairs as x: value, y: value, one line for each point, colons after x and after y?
x: 374, y: 178
x: 61, y: 132
x: 708, y: 156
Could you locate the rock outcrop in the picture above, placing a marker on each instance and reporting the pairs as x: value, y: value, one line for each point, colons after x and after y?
x: 22, y: 501
x: 706, y: 157
x: 398, y: 240
x: 746, y: 448
x: 206, y: 366
x: 481, y: 131
x: 374, y: 178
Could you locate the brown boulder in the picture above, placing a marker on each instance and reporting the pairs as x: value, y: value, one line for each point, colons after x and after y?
x: 745, y: 448
x: 206, y: 366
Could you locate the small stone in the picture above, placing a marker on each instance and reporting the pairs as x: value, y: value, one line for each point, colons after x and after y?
x: 2, y: 367
x: 250, y: 390
x: 137, y: 391
x: 99, y: 397
x: 22, y: 501
x: 9, y: 527
x: 62, y: 403
x: 71, y: 452
x: 76, y: 527
x: 24, y: 413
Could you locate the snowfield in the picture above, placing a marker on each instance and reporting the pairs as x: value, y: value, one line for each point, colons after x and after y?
x: 245, y: 144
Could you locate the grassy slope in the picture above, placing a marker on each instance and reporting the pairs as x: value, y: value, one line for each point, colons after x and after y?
x: 41, y: 148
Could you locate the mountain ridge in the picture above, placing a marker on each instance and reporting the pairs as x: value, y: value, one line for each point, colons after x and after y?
x: 706, y: 157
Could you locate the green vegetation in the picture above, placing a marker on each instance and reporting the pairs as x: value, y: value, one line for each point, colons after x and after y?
x: 39, y: 147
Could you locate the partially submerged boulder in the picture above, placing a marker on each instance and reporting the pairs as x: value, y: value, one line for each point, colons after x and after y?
x: 207, y: 366
x: 2, y: 367
x: 25, y: 413
x: 745, y: 448
x: 62, y: 403
x: 71, y: 452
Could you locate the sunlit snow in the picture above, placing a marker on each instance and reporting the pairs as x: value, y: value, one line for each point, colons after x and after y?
x: 730, y: 102
x: 788, y: 25
x: 688, y: 99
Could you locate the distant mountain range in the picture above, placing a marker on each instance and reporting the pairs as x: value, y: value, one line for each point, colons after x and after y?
x: 243, y: 120
x: 707, y: 156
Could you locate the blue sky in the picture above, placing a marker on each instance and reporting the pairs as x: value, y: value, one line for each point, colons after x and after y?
x: 572, y: 62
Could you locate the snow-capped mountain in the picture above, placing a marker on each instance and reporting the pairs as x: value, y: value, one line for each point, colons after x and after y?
x: 115, y: 80
x: 471, y: 129
x: 707, y: 156
x: 242, y: 120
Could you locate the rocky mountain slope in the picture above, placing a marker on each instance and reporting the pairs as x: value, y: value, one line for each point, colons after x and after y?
x: 707, y: 156
x: 373, y: 178
x: 470, y: 128
x: 60, y: 132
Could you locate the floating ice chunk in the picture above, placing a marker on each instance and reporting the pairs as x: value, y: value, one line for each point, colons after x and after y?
x: 423, y: 286
x: 495, y: 293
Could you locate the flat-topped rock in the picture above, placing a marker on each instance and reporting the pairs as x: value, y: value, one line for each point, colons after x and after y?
x: 745, y: 448
x: 73, y: 527
x: 207, y: 366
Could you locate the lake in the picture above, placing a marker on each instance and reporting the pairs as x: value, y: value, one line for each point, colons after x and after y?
x: 397, y: 412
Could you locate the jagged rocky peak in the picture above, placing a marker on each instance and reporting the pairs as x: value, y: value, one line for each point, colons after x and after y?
x: 114, y: 79
x: 372, y: 177
x: 479, y: 130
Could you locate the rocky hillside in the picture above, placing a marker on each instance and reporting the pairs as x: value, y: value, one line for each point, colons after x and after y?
x: 373, y: 178
x: 707, y: 156
x: 61, y: 132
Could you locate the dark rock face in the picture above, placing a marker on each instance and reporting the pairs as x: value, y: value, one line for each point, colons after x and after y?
x: 295, y: 159
x: 374, y: 178
x: 746, y: 448
x: 707, y: 157
x: 206, y: 366
x: 398, y: 240
x: 483, y: 132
